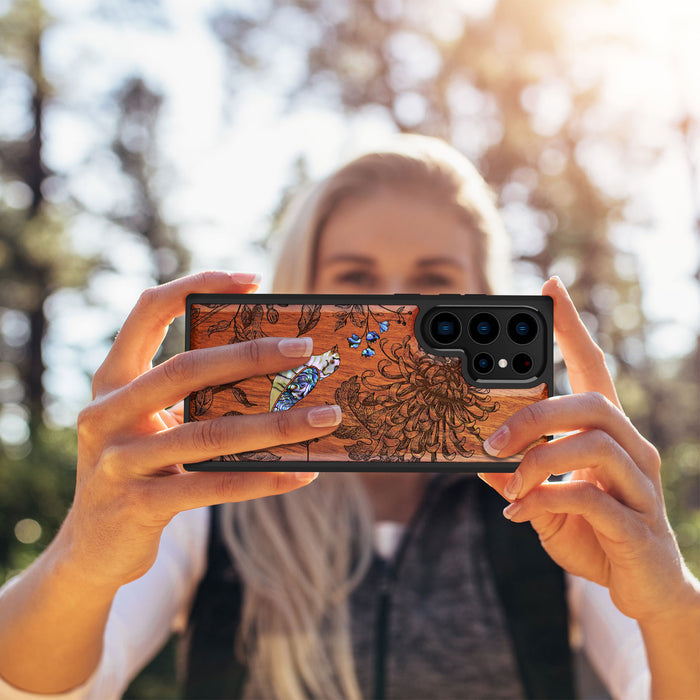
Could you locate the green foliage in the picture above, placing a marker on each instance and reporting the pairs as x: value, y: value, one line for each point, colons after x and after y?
x: 36, y: 486
x: 681, y: 477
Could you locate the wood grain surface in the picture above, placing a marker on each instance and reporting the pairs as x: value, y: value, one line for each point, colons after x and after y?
x: 400, y: 403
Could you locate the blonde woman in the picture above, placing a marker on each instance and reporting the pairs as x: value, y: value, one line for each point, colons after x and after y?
x: 367, y: 585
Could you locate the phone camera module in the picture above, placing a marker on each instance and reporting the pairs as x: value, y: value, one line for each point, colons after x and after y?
x: 483, y: 363
x: 522, y: 363
x: 483, y: 328
x: 445, y: 328
x: 522, y: 328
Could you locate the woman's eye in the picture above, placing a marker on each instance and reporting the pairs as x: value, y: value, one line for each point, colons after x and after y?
x: 358, y: 277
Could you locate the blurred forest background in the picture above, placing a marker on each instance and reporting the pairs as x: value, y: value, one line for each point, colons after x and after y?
x: 581, y: 114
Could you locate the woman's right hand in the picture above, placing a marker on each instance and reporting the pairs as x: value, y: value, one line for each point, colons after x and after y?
x: 130, y: 480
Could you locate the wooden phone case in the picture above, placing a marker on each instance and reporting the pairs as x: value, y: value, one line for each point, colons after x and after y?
x: 404, y: 409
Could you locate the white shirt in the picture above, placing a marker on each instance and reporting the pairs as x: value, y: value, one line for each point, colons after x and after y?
x: 147, y: 611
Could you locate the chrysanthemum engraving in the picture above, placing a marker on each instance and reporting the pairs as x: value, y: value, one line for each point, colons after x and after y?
x: 415, y: 406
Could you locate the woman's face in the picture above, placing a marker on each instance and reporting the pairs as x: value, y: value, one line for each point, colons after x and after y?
x: 395, y: 242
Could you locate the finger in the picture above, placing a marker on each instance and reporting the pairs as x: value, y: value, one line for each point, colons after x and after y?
x: 496, y: 480
x: 610, y: 519
x: 584, y: 360
x: 178, y: 492
x: 591, y: 450
x: 208, y: 439
x: 177, y: 377
x: 565, y: 414
x: 556, y: 532
x: 173, y: 416
x: 145, y: 327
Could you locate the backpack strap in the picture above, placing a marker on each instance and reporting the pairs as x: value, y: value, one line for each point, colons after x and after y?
x: 211, y: 668
x: 532, y: 590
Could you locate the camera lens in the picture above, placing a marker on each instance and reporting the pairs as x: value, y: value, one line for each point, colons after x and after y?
x: 445, y: 328
x: 483, y: 328
x: 522, y: 363
x: 522, y: 328
x: 483, y: 363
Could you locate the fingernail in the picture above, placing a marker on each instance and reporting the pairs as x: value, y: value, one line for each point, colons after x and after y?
x: 246, y: 277
x: 324, y: 416
x: 561, y: 285
x: 306, y: 477
x: 497, y: 441
x: 512, y: 488
x: 296, y: 347
x: 512, y: 510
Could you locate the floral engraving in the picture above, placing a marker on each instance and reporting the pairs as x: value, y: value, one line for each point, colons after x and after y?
x: 245, y: 323
x: 415, y: 405
x: 399, y: 403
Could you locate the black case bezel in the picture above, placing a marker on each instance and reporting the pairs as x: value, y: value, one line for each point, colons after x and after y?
x: 542, y: 305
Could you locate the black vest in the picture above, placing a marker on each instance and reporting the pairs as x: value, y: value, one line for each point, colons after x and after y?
x: 528, y: 584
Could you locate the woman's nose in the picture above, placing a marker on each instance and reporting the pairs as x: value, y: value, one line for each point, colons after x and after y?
x: 398, y: 284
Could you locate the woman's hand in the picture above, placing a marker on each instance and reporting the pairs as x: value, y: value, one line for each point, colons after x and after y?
x: 130, y: 479
x: 608, y: 523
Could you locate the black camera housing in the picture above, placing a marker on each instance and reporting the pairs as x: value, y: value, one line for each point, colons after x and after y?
x: 506, y: 341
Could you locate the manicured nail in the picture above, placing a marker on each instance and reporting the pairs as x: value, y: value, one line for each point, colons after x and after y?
x: 306, y: 477
x: 561, y: 285
x: 512, y: 510
x: 246, y: 277
x: 324, y: 416
x: 512, y: 488
x: 296, y: 347
x: 497, y: 441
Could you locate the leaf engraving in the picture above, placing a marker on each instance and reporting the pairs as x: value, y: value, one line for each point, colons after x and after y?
x: 219, y: 326
x: 341, y: 319
x: 203, y: 400
x: 241, y: 396
x: 246, y: 316
x: 310, y: 316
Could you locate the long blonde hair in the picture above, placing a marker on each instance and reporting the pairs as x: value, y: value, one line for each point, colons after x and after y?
x: 299, y: 555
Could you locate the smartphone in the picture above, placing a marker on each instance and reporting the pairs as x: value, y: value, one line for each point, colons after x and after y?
x: 422, y: 380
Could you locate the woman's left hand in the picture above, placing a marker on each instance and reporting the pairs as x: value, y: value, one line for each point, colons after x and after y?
x: 608, y: 523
